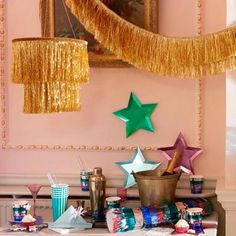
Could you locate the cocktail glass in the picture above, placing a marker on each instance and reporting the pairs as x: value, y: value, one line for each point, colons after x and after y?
x: 34, y: 189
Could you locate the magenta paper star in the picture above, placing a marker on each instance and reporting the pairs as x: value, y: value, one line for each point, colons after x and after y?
x: 188, y: 154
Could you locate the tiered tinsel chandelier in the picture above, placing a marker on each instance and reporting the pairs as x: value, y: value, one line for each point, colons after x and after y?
x: 51, y: 70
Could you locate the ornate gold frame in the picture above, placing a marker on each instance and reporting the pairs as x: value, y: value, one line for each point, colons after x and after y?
x: 47, y: 29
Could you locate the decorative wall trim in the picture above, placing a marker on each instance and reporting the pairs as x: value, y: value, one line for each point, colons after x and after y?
x: 6, y: 145
x: 2, y: 74
x: 199, y: 83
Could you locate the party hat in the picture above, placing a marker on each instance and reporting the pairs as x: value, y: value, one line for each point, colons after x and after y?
x: 70, y: 219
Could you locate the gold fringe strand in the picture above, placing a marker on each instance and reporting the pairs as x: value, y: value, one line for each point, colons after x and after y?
x: 49, y: 60
x: 181, y: 57
x: 47, y: 97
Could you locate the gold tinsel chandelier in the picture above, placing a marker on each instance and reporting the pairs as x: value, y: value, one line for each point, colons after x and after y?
x: 51, y: 70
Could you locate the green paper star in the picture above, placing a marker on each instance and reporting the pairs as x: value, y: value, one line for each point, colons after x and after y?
x: 136, y: 116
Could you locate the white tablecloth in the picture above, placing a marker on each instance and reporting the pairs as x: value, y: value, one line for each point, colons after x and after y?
x: 210, y: 222
x: 104, y: 232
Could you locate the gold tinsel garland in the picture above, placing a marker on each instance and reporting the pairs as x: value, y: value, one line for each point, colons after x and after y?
x: 182, y: 57
x: 51, y: 70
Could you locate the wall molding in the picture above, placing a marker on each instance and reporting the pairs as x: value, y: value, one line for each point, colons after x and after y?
x: 4, y: 124
x: 226, y: 195
x: 5, y: 144
x: 2, y: 75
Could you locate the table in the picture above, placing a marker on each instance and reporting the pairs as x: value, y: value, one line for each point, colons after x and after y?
x: 211, y: 222
x: 104, y: 232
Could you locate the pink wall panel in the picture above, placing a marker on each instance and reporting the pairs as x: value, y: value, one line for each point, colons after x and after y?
x: 108, y: 91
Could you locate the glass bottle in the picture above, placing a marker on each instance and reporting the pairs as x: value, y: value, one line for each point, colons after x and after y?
x: 172, y: 164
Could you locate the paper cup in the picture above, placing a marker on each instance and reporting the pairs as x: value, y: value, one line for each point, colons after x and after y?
x: 196, y: 183
x: 59, y: 206
x: 19, y: 209
x: 113, y: 202
x: 84, y: 179
x: 60, y: 193
x: 122, y: 193
x: 195, y: 219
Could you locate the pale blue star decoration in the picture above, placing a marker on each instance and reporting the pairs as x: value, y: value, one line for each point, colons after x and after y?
x: 136, y: 164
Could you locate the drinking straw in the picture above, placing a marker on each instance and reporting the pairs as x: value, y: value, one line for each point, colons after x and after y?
x: 82, y: 164
x: 51, y: 178
x: 54, y: 178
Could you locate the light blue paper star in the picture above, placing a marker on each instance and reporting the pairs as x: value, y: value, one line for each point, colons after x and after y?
x: 137, y: 163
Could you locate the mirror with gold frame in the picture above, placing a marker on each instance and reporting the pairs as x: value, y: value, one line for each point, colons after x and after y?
x: 57, y: 21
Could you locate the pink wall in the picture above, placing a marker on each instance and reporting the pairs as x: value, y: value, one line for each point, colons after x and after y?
x: 109, y: 91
